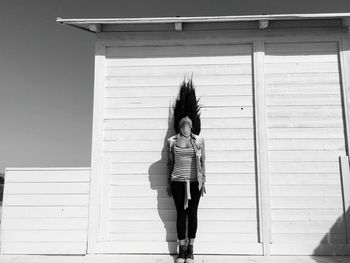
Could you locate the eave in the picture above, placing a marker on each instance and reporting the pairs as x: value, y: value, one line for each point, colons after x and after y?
x: 96, y: 24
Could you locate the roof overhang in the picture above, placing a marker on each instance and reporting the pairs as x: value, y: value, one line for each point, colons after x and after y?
x: 96, y: 24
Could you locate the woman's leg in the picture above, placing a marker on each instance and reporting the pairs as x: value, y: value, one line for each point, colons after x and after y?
x: 192, y: 211
x: 178, y: 193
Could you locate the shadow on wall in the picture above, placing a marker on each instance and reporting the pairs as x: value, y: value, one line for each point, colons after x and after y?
x: 158, y: 182
x: 334, y: 246
x: 333, y: 242
x: 2, y: 179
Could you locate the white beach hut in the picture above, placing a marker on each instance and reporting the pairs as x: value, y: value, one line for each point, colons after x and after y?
x: 275, y: 102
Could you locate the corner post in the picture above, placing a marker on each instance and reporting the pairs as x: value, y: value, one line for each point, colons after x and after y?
x: 261, y: 146
x: 97, y: 171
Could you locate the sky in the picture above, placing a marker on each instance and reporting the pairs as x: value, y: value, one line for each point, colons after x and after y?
x: 46, y: 69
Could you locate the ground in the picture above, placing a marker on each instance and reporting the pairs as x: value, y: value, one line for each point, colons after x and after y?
x: 169, y: 259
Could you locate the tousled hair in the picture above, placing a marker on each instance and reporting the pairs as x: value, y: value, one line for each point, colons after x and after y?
x: 187, y: 104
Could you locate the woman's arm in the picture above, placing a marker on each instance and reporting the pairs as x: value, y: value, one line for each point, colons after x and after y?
x: 169, y: 161
x: 203, y: 160
x: 169, y: 167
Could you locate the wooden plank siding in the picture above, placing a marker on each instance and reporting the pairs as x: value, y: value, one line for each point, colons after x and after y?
x: 140, y: 85
x: 275, y: 128
x: 306, y: 136
x: 45, y: 211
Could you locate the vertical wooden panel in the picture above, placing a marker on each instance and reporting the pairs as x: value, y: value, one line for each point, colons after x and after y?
x: 261, y: 146
x: 345, y: 180
x: 344, y: 58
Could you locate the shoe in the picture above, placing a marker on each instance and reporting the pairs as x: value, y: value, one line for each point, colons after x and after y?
x: 181, y: 255
x: 189, y: 254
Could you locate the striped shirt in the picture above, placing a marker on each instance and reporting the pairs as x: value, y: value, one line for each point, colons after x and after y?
x: 185, y: 166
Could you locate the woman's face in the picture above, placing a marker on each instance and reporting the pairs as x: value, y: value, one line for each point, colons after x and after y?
x: 185, y: 129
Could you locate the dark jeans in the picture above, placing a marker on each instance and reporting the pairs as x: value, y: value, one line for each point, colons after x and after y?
x: 178, y: 193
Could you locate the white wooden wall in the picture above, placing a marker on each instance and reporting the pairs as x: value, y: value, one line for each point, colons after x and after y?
x: 278, y: 192
x: 45, y: 211
x: 306, y: 136
x: 140, y: 82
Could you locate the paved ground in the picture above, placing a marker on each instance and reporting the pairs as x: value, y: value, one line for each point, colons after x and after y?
x: 169, y: 259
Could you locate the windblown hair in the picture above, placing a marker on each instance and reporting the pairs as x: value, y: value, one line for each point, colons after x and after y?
x: 186, y: 104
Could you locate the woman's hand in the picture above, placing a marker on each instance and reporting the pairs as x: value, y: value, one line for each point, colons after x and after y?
x: 203, y: 190
x: 168, y: 189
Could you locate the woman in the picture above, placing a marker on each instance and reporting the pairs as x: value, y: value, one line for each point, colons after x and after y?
x: 186, y: 178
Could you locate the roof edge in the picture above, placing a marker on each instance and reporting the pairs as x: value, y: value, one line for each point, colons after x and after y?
x: 96, y: 22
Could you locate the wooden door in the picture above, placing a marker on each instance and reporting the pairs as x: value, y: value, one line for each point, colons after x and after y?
x: 140, y: 84
x: 306, y: 136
